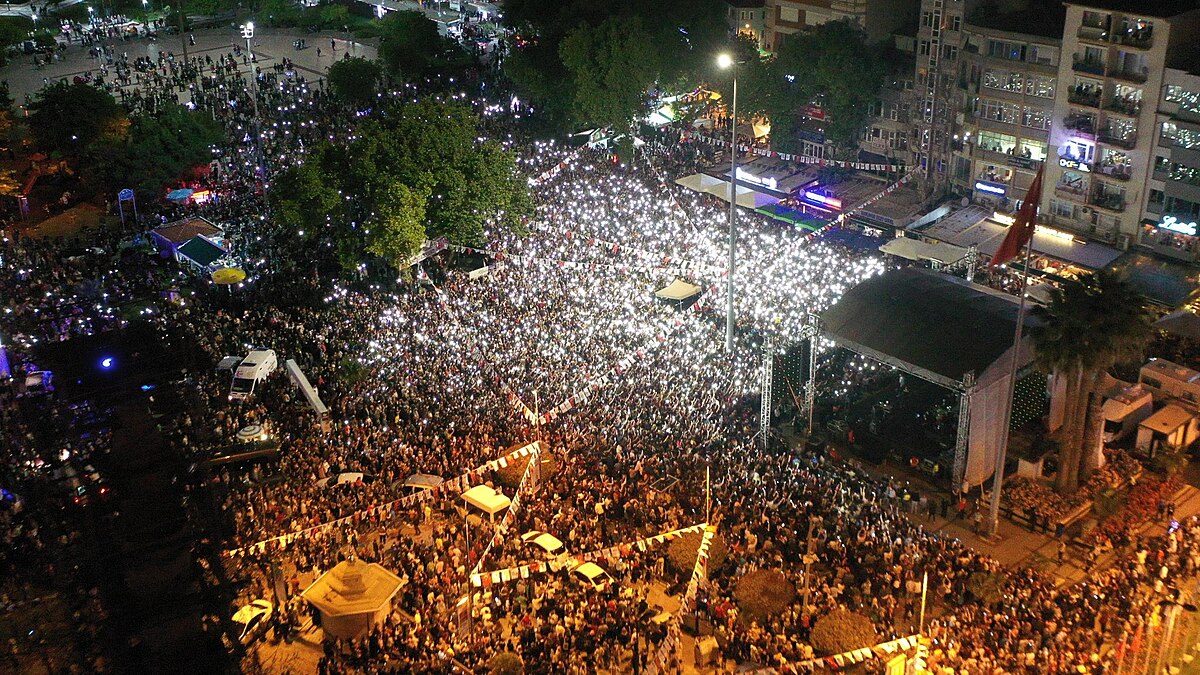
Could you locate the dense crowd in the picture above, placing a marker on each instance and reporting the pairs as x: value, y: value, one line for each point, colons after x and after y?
x: 435, y: 375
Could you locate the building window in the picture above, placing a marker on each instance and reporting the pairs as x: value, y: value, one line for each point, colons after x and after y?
x: 1047, y: 56
x: 1188, y: 100
x: 1036, y: 149
x: 996, y: 142
x: 950, y: 52
x: 998, y: 111
x: 1062, y: 209
x: 1036, y: 118
x: 1002, y: 80
x: 956, y: 22
x: 1010, y: 51
x: 1040, y: 86
x: 923, y: 50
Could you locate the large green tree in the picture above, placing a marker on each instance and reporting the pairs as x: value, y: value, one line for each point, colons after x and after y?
x: 68, y: 118
x: 418, y: 171
x: 613, y: 67
x: 409, y: 44
x: 355, y: 80
x: 158, y: 150
x: 1087, y: 328
x: 573, y: 52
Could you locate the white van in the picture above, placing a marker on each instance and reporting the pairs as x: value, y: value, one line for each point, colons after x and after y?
x: 254, y: 368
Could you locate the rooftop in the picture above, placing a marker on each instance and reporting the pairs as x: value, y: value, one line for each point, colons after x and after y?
x: 1168, y: 369
x: 746, y: 4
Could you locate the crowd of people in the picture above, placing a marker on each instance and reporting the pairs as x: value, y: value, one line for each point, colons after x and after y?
x: 440, y: 374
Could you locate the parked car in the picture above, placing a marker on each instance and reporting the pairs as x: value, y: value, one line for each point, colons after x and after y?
x: 550, y: 544
x: 253, y: 619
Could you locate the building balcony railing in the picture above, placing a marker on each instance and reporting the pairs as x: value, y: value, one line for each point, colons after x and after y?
x: 1154, y: 206
x: 1106, y: 200
x: 1089, y: 99
x: 1067, y: 189
x: 1081, y: 123
x: 1109, y: 136
x: 1120, y: 172
x: 1124, y: 107
x: 1138, y: 75
x: 1142, y: 39
x: 1093, y: 33
x: 1087, y: 66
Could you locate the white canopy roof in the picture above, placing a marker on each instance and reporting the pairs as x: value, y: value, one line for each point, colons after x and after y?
x: 486, y: 499
x: 914, y: 249
x: 746, y: 198
x: 698, y: 182
x: 677, y: 290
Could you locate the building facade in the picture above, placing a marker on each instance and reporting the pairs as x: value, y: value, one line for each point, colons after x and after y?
x: 1008, y: 83
x: 1171, y: 210
x: 1106, y: 126
x: 748, y: 18
x: 878, y: 18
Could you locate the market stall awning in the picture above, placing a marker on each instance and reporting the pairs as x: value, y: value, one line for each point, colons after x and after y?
x: 1184, y: 323
x: 180, y: 195
x: 700, y: 182
x: 677, y: 290
x: 486, y: 499
x: 201, y: 251
x: 746, y: 198
x: 913, y: 249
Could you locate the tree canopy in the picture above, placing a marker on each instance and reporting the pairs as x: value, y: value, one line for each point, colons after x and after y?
x: 68, y: 118
x: 1087, y: 328
x: 593, y: 63
x: 158, y: 150
x: 418, y: 171
x: 831, y: 65
x: 355, y: 80
x: 409, y: 43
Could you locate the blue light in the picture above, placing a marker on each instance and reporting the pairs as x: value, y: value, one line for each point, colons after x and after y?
x: 989, y: 187
x: 107, y: 362
x: 147, y: 387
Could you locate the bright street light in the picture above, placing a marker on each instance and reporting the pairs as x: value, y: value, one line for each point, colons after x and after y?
x: 726, y: 62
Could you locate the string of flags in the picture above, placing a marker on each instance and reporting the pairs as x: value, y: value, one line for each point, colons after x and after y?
x: 687, y: 604
x: 669, y: 265
x: 457, y: 484
x: 479, y: 579
x: 584, y: 394
x: 554, y: 170
x: 855, y: 656
x: 803, y: 159
x: 513, y: 507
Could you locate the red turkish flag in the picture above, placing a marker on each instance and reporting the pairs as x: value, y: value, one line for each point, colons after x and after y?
x: 1023, y: 227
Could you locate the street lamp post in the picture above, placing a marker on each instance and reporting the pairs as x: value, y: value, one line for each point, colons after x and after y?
x: 248, y: 34
x: 726, y: 61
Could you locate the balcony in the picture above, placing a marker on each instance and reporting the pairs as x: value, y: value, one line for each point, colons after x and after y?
x: 1142, y: 38
x: 1085, y: 124
x: 1108, y: 200
x: 1138, y: 75
x: 1093, y: 33
x: 1118, y: 171
x: 1109, y: 136
x: 1077, y: 191
x: 1124, y: 106
x: 1089, y: 98
x: 1082, y: 65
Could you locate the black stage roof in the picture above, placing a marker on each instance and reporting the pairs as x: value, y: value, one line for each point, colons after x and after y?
x: 934, y: 325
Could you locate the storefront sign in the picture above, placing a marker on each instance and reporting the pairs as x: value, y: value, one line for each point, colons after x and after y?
x: 830, y: 202
x: 1023, y: 162
x: 1068, y: 163
x: 765, y: 181
x: 991, y: 188
x: 1175, y: 225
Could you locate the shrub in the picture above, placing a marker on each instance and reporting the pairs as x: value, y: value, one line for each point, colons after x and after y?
x: 763, y: 593
x: 506, y: 663
x: 510, y: 476
x: 841, y: 631
x: 682, y: 553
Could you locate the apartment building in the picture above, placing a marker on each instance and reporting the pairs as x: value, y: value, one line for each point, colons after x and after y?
x: 939, y: 39
x: 748, y: 18
x: 879, y: 18
x: 889, y: 135
x: 1106, y: 129
x: 1171, y: 211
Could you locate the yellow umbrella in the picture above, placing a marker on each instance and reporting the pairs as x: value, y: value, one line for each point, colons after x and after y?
x: 228, y: 275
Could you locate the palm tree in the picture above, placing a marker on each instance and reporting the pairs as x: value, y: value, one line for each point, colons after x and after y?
x: 1087, y: 328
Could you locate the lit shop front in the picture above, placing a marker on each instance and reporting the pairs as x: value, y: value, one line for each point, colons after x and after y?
x: 1172, y: 236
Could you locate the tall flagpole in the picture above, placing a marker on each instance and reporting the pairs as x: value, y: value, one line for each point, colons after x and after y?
x: 1002, y: 448
x: 708, y: 494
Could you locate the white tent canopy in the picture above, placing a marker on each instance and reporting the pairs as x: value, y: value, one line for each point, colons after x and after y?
x: 486, y: 499
x: 699, y: 182
x: 678, y: 290
x: 746, y: 198
x: 913, y: 249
